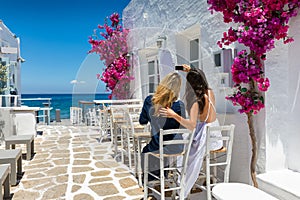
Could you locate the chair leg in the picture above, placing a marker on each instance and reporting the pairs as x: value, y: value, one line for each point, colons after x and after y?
x: 135, y: 156
x: 7, y: 145
x: 13, y: 173
x: 208, y: 188
x: 139, y: 167
x: 7, y: 187
x: 32, y: 148
x: 28, y: 147
x: 162, y: 179
x: 19, y: 166
x: 129, y: 152
x: 215, y: 171
x: 122, y: 145
x: 146, y: 168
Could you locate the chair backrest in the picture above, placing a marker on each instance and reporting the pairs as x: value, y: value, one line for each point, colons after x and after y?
x: 104, y: 118
x: 75, y: 115
x: 218, y: 160
x: 180, y: 145
x: 118, y: 112
x: 25, y: 124
x: 227, y: 132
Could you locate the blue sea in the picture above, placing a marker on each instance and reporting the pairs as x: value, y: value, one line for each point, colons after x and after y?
x: 63, y: 102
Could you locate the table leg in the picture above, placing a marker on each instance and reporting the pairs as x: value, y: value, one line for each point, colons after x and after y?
x: 13, y: 173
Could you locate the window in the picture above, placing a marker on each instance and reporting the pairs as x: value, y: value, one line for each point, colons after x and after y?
x: 153, y: 74
x: 217, y: 59
x: 194, y: 53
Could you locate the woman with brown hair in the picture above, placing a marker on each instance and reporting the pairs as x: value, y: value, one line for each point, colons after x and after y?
x: 200, y: 105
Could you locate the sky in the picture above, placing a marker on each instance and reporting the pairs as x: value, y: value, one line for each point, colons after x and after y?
x: 54, y: 42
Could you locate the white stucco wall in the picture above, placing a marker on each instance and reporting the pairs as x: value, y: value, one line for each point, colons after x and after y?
x: 293, y: 134
x: 9, y: 39
x: 171, y: 18
x: 282, y: 103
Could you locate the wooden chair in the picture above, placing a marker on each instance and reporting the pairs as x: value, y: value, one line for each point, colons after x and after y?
x: 176, y: 170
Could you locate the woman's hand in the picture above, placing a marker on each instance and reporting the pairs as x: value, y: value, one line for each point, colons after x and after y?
x: 186, y: 68
x: 167, y: 112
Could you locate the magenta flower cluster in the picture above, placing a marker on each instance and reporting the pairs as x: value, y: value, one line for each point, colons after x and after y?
x: 260, y: 23
x: 249, y: 101
x: 112, y: 48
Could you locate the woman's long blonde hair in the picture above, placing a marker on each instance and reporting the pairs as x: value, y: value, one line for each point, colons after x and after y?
x: 166, y: 92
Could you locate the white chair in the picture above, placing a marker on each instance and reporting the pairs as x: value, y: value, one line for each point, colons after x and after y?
x: 25, y: 124
x: 132, y: 133
x: 104, y: 123
x: 117, y: 120
x: 140, y: 139
x: 23, y: 133
x: 75, y: 115
x: 91, y: 117
x: 174, y: 169
x: 217, y: 161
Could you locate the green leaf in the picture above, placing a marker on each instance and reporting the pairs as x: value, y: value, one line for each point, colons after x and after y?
x: 246, y: 28
x: 262, y: 99
x: 244, y: 90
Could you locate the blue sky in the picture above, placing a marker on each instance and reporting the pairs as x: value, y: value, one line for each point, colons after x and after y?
x: 54, y: 42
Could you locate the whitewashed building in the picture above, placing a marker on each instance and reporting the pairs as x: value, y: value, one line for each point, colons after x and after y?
x: 165, y: 33
x: 10, y: 58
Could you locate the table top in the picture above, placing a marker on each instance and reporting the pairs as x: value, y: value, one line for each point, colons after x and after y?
x: 21, y: 108
x: 86, y: 102
x: 46, y: 108
x: 118, y: 101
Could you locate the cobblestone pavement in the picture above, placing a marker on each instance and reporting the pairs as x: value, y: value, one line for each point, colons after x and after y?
x: 70, y: 163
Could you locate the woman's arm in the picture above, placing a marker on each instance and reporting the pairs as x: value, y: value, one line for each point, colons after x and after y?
x: 187, y: 123
x: 144, y: 114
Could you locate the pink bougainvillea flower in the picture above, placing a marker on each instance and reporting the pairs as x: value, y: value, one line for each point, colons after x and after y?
x: 259, y: 24
x: 112, y: 48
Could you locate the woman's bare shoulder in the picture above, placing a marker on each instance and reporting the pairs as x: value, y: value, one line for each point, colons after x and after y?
x: 211, y: 93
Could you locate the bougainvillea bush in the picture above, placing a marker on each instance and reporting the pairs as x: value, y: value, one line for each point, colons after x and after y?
x: 111, y: 45
x: 258, y: 24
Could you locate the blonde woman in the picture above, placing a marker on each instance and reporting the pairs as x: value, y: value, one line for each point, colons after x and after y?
x: 165, y: 96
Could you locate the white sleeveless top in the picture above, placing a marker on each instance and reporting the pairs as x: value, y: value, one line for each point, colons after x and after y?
x: 216, y: 144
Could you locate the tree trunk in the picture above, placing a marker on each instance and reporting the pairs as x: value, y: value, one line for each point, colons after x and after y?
x: 253, y: 139
x: 254, y: 149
